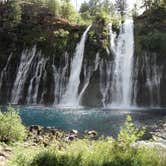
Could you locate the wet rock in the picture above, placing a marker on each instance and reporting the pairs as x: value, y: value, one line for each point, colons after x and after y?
x: 73, y: 132
x: 35, y: 129
x: 72, y: 137
x: 161, y: 147
x: 159, y: 132
x: 92, y: 132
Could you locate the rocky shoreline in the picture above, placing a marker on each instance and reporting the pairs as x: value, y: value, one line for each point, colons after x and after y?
x: 48, y: 136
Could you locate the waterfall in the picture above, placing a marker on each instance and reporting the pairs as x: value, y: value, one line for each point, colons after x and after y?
x: 135, y: 81
x: 44, y: 87
x: 4, y: 71
x: 105, y: 80
x: 22, y: 74
x: 97, y: 61
x: 123, y: 65
x: 35, y: 81
x: 70, y: 98
x: 87, y: 75
x: 60, y: 79
x: 153, y: 78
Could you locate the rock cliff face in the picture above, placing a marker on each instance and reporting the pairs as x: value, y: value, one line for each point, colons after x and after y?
x: 36, y: 56
x: 150, y: 36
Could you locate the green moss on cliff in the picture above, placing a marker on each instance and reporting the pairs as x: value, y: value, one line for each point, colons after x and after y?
x: 150, y: 31
x: 52, y: 35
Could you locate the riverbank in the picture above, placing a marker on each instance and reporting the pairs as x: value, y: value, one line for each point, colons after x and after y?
x: 37, y: 145
x: 42, y: 143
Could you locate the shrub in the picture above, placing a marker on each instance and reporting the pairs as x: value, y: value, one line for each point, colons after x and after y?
x: 54, y: 6
x: 11, y: 128
x: 154, y: 41
x: 129, y: 133
x: 101, y: 152
x: 52, y: 158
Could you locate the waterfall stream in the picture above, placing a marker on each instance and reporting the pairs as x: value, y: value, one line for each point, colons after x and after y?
x: 121, y: 87
x: 117, y: 80
x: 70, y: 97
x: 60, y: 79
x: 33, y: 90
x: 22, y: 74
x: 153, y: 78
x: 4, y: 71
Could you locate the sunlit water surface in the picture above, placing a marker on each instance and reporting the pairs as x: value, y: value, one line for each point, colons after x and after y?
x: 104, y: 121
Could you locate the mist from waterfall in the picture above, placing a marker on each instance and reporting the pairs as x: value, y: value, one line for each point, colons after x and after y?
x: 122, y: 82
x: 70, y: 98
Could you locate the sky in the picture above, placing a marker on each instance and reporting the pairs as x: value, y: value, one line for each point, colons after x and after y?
x: 130, y: 2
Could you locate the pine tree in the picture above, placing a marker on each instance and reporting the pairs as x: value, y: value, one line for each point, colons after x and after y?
x: 11, y: 13
x: 121, y: 6
x: 54, y: 6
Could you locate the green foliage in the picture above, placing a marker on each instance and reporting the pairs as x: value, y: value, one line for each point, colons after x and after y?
x: 150, y: 35
x: 68, y: 12
x: 102, y: 16
x: 129, y: 133
x: 97, y: 10
x: 154, y: 41
x: 153, y: 4
x: 52, y: 158
x: 54, y: 6
x: 10, y: 14
x: 23, y: 156
x: 101, y: 152
x: 11, y: 128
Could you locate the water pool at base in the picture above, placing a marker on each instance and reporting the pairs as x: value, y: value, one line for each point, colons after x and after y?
x: 104, y: 121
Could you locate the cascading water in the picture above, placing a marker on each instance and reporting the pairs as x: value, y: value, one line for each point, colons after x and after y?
x: 87, y: 75
x: 33, y: 90
x: 153, y: 78
x: 70, y: 97
x: 60, y: 79
x: 121, y: 87
x: 22, y: 74
x: 4, y: 71
x: 105, y: 81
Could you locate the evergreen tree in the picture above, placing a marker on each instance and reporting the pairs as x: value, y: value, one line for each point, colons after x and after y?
x: 54, y: 6
x: 68, y: 12
x: 147, y: 4
x: 11, y: 13
x: 84, y: 7
x: 121, y: 6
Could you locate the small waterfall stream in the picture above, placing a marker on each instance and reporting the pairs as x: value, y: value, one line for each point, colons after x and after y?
x: 60, y: 79
x: 70, y: 97
x: 153, y: 78
x: 22, y: 74
x: 4, y: 71
x: 33, y: 90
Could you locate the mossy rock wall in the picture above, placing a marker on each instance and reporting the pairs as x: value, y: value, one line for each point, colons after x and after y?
x: 150, y: 39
